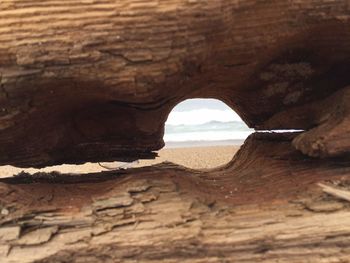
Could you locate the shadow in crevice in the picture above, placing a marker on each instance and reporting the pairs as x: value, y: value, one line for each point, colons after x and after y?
x: 266, y: 168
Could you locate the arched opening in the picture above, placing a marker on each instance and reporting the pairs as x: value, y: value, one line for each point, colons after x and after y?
x: 199, y: 134
x: 203, y: 133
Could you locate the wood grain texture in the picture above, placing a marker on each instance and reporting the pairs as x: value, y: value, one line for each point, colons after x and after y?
x: 330, y: 137
x: 274, y: 212
x: 95, y: 80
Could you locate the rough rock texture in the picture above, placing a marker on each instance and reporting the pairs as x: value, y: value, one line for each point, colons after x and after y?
x: 95, y: 80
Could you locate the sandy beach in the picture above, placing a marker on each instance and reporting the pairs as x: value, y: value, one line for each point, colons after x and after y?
x: 196, y: 157
x: 203, y: 157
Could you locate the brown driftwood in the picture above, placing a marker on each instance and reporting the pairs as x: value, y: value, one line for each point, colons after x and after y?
x: 265, y: 208
x: 95, y: 80
x: 330, y: 137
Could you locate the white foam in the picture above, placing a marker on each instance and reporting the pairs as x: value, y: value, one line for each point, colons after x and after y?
x: 206, y: 136
x: 201, y: 116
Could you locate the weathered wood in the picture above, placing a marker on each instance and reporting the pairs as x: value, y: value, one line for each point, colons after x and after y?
x: 95, y: 80
x: 331, y: 136
x: 266, y: 208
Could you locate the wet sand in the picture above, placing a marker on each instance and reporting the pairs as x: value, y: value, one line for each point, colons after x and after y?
x: 191, y: 157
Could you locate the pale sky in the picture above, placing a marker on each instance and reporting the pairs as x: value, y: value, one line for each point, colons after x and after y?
x: 199, y: 111
x: 195, y: 104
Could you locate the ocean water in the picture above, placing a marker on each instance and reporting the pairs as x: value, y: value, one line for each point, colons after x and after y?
x: 210, y: 131
x: 205, y: 126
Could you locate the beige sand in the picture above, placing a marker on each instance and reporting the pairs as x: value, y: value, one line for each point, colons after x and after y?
x: 195, y: 158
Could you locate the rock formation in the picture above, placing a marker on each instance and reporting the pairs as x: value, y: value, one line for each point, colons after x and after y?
x: 95, y: 81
